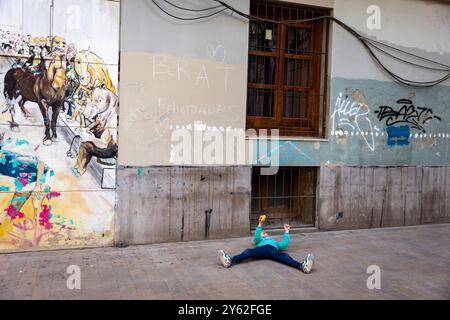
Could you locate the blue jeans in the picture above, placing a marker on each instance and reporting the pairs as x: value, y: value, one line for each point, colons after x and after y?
x: 267, y: 252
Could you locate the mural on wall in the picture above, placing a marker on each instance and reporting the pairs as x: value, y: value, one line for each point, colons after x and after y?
x: 399, y: 123
x: 58, y: 144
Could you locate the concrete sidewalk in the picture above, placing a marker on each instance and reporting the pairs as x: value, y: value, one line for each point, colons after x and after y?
x: 414, y: 264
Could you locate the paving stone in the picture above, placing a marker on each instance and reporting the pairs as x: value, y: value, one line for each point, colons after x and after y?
x: 413, y: 260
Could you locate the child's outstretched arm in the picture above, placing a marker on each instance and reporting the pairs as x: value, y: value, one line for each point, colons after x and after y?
x: 285, y: 242
x: 257, y: 237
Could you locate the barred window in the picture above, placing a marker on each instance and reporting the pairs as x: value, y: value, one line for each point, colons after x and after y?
x: 286, y: 69
x: 289, y: 196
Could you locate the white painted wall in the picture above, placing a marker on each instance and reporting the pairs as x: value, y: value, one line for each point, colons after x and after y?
x: 417, y: 24
x: 419, y: 27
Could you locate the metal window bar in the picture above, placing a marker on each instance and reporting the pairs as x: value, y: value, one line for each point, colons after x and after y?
x: 287, y: 197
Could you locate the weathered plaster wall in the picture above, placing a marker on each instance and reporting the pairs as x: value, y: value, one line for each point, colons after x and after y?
x: 174, y: 73
x: 62, y: 208
x: 379, y: 166
x: 420, y: 27
x: 160, y: 204
x: 359, y: 137
x: 357, y: 134
x: 160, y: 92
x: 164, y: 84
x: 177, y: 73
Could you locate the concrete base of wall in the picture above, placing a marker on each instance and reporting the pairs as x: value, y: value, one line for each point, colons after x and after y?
x: 370, y: 197
x: 163, y: 204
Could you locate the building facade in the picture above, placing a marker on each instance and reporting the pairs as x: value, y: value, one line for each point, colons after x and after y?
x: 325, y: 114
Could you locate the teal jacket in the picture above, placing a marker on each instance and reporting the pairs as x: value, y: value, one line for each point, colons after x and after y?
x: 259, y: 241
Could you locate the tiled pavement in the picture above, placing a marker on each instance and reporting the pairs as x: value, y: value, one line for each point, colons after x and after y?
x: 414, y: 264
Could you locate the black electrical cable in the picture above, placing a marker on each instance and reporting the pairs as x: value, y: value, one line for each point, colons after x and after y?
x: 408, y: 53
x: 366, y: 42
x: 406, y: 61
x: 406, y: 82
x: 193, y: 10
x: 188, y: 19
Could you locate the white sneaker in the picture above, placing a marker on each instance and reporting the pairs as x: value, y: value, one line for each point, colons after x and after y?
x: 308, y: 263
x: 224, y: 259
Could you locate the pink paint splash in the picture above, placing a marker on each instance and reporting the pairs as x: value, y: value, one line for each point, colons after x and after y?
x: 12, y: 212
x: 44, y: 218
x: 23, y: 181
x: 52, y: 194
x: 25, y: 174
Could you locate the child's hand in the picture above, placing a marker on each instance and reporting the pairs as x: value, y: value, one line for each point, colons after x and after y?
x: 287, y: 227
x: 262, y: 219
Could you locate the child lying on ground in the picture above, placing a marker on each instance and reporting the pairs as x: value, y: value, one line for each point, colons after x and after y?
x: 268, y: 248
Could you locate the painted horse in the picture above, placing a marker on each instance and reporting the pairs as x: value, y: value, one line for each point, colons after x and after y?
x: 35, y: 86
x: 92, y: 71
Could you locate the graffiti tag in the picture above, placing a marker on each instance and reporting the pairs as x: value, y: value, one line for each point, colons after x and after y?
x: 408, y: 114
x: 400, y: 122
x: 355, y: 116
